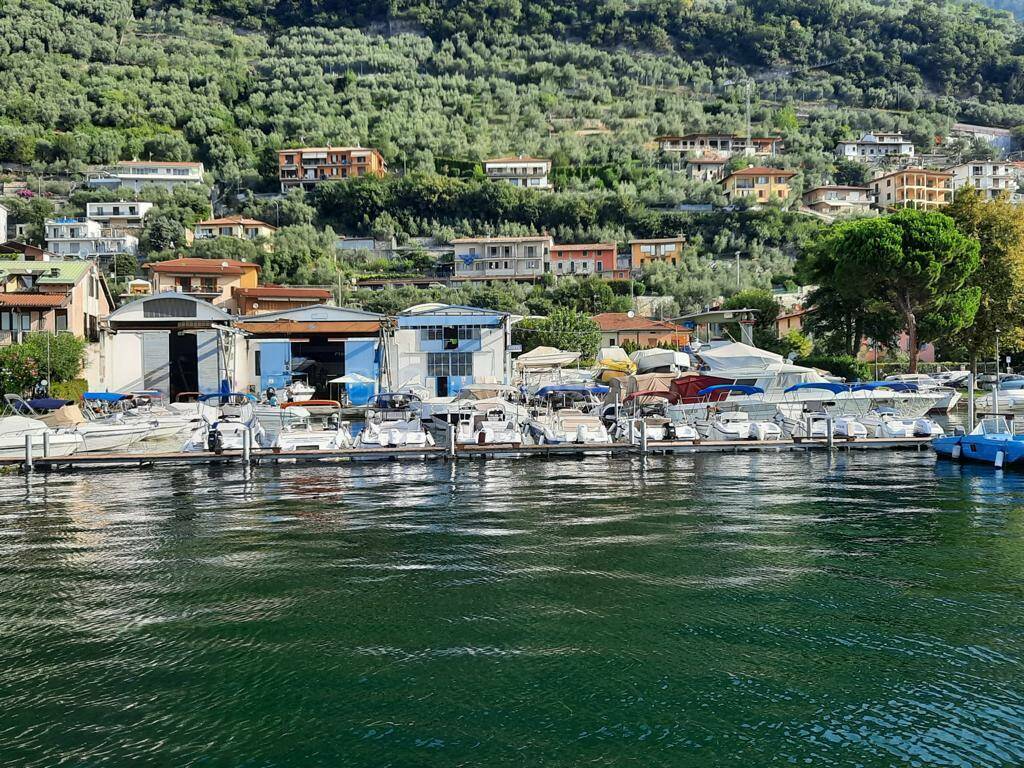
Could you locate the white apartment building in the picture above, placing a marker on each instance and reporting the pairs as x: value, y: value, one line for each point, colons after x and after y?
x: 531, y: 172
x: 84, y: 238
x: 135, y: 174
x: 705, y: 168
x: 990, y: 178
x: 501, y: 258
x: 875, y: 147
x: 123, y: 214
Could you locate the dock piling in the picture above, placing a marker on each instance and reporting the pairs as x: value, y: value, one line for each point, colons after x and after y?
x: 46, y: 444
x: 247, y: 446
x: 829, y: 437
x: 970, y: 401
x: 451, y: 441
x: 28, y: 453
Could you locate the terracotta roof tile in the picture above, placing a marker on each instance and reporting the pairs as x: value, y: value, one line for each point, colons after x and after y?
x: 33, y: 299
x: 611, y: 322
x: 193, y: 266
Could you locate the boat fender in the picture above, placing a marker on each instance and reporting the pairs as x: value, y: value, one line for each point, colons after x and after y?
x: 581, y: 433
x: 955, y: 453
x: 998, y: 463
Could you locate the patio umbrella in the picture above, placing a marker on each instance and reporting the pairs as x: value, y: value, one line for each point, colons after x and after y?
x: 353, y: 378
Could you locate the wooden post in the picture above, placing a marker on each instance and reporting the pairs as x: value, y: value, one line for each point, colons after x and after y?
x: 28, y: 453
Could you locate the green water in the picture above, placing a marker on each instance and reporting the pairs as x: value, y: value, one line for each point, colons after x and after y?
x: 751, y: 610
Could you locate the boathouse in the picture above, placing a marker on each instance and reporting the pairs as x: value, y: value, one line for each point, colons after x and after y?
x: 170, y: 342
x: 316, y: 345
x: 443, y: 347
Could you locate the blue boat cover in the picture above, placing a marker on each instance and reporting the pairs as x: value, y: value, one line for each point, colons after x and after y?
x: 556, y: 388
x: 895, y: 386
x: 47, y: 403
x: 104, y: 397
x: 831, y: 386
x: 744, y: 388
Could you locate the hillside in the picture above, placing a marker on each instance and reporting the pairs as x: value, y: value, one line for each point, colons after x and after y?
x: 228, y: 83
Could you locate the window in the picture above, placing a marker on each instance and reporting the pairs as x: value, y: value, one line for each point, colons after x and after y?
x: 26, y: 321
x: 209, y: 285
x: 6, y: 321
x: 670, y: 247
x: 531, y: 251
x: 449, y: 364
x: 60, y: 320
x: 646, y: 249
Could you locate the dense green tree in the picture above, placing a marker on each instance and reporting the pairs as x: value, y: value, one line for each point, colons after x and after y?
x: 160, y: 233
x: 564, y: 328
x: 999, y: 228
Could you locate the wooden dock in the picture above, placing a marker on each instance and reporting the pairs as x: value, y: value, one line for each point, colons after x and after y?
x: 443, y: 453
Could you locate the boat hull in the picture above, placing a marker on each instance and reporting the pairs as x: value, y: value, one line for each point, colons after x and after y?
x: 982, y: 448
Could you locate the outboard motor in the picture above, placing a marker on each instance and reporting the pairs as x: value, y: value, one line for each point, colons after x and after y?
x: 215, y: 440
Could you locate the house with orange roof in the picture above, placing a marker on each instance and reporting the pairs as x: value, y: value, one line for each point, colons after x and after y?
x: 212, y: 280
x: 519, y: 171
x: 305, y: 167
x: 238, y: 227
x: 758, y: 184
x: 618, y: 327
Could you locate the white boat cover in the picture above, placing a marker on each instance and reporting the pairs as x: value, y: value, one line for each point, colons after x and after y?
x: 545, y: 357
x: 12, y: 425
x: 738, y: 356
x: 646, y: 359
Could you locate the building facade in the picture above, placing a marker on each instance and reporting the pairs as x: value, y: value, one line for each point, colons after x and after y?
x: 999, y: 138
x: 839, y: 200
x: 277, y: 298
x: 990, y: 178
x: 721, y: 144
x: 758, y: 184
x: 442, y: 348
x: 123, y: 214
x: 666, y: 249
x: 238, y: 227
x: 875, y: 147
x: 136, y: 174
x: 705, y: 168
x: 913, y: 188
x: 618, y: 328
x: 211, y: 280
x: 520, y: 171
x: 85, y: 238
x: 305, y: 167
x: 52, y: 296
x: 501, y: 258
x: 583, y: 259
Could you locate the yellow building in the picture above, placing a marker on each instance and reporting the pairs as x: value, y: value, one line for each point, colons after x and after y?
x: 761, y: 184
x: 913, y: 188
x: 666, y: 249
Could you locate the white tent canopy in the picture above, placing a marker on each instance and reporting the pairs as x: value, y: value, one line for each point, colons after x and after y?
x: 738, y: 356
x: 546, y: 357
x: 352, y: 378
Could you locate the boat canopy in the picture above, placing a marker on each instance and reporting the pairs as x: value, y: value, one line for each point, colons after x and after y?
x: 738, y: 355
x: 827, y: 385
x: 663, y: 394
x: 744, y: 388
x: 895, y: 386
x: 47, y: 403
x: 546, y: 357
x: 104, y: 397
x: 554, y: 389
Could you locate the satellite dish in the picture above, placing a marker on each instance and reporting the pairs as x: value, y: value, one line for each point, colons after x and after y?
x: 631, y: 314
x: 791, y: 356
x: 224, y: 264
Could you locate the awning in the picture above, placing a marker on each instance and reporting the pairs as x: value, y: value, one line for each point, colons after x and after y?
x: 546, y: 357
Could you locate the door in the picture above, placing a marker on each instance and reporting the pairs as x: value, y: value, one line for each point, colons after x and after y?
x: 275, y: 364
x: 184, y: 363
x: 442, y: 386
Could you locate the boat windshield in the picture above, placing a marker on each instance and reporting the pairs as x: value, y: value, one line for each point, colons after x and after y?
x: 992, y: 425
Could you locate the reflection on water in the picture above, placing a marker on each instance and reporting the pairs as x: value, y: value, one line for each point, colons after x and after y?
x: 761, y: 609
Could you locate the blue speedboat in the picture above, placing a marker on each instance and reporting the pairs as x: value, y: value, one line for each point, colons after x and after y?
x: 992, y: 442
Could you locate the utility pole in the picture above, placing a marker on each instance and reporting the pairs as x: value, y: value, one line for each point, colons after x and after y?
x: 737, y: 270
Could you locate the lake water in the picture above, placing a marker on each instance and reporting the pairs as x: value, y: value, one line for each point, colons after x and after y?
x: 748, y: 610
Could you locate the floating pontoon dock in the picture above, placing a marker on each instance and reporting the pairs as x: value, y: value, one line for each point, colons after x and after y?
x: 457, y: 453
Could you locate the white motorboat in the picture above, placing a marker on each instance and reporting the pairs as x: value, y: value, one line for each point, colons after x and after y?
x: 883, y: 422
x: 135, y: 410
x: 779, y: 381
x: 568, y: 414
x: 235, y: 416
x: 299, y: 391
x: 14, y: 429
x: 313, y: 429
x: 745, y: 421
x: 1008, y: 397
x: 645, y: 412
x: 487, y: 426
x: 847, y: 427
x: 113, y: 435
x: 948, y: 396
x: 393, y: 421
